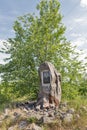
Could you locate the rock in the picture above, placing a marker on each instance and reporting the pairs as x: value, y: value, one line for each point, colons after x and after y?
x: 11, y: 128
x: 71, y: 111
x: 52, y: 105
x: 68, y: 118
x: 45, y: 104
x: 33, y: 126
x: 85, y: 127
x: 45, y: 119
x: 26, y: 107
x: 56, y: 114
x: 45, y: 113
x: 50, y: 86
x: 25, y: 110
x: 50, y: 114
x: 22, y: 125
x: 45, y: 110
x: 62, y: 115
x: 38, y: 108
x: 7, y: 110
x: 15, y: 114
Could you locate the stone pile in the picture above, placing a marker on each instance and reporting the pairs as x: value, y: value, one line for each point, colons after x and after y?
x: 46, y: 115
x: 29, y: 110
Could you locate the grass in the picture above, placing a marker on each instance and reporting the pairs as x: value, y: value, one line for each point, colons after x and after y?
x: 32, y: 120
x: 77, y: 103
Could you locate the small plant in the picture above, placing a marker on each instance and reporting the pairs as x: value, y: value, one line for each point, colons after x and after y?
x: 32, y: 120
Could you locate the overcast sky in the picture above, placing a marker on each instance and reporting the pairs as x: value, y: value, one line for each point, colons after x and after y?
x: 74, y: 12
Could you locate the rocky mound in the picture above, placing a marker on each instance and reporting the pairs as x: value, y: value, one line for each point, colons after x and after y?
x: 28, y: 116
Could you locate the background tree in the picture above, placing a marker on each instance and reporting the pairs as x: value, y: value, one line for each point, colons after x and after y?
x: 38, y: 39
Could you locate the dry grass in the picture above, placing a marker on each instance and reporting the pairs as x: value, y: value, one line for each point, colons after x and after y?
x: 80, y: 124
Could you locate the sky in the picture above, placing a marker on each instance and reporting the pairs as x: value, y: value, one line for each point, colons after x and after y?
x: 74, y: 18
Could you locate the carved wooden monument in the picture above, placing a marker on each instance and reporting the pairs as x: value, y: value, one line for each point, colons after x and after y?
x: 50, y: 86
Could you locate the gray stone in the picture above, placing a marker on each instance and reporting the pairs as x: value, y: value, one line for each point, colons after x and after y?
x: 11, y: 128
x: 68, y: 118
x: 7, y: 110
x: 50, y: 86
x: 22, y: 125
x: 25, y: 110
x: 45, y: 119
x: 33, y: 126
x: 71, y: 111
x: 51, y: 114
x: 85, y: 127
x: 38, y: 107
x: 45, y: 113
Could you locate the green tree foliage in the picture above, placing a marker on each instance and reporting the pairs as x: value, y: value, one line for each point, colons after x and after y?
x: 38, y: 39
